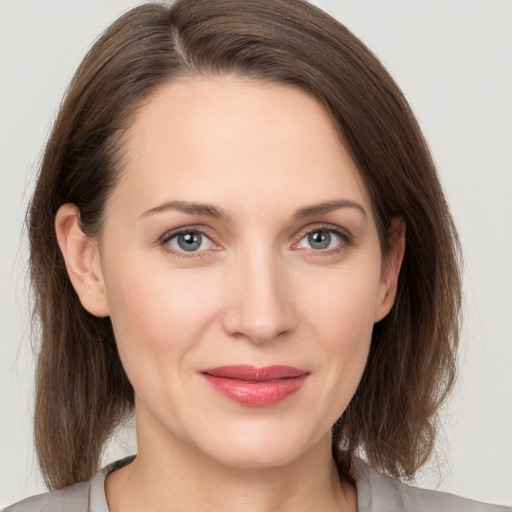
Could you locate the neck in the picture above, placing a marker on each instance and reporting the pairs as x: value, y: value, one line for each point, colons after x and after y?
x: 174, y: 476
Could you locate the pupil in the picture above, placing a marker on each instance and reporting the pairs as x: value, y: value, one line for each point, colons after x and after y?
x: 319, y: 239
x: 189, y: 241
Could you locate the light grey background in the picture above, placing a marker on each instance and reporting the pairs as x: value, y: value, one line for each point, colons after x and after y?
x: 453, y: 59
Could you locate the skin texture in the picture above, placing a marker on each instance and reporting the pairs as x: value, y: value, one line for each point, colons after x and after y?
x: 256, y: 292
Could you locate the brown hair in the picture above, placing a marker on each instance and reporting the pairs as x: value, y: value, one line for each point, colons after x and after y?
x: 82, y: 392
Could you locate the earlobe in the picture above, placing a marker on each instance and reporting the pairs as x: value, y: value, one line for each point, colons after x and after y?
x: 391, y: 265
x: 82, y: 258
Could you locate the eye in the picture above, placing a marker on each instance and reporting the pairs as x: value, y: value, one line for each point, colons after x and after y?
x: 189, y: 241
x: 321, y: 240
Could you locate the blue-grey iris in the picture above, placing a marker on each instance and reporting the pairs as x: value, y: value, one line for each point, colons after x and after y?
x: 319, y: 239
x: 189, y: 241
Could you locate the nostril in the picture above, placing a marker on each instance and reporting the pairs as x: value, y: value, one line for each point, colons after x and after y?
x: 239, y: 323
x: 259, y: 305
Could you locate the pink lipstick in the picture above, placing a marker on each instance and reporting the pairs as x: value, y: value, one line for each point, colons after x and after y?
x: 256, y: 386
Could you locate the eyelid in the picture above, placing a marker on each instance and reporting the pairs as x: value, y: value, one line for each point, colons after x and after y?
x: 345, y: 235
x: 169, y: 235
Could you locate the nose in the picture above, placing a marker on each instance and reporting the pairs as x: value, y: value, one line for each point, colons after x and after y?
x: 259, y: 298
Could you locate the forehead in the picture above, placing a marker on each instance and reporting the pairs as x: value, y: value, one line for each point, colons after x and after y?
x: 237, y: 141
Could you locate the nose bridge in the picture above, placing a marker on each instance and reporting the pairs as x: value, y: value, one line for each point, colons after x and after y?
x: 259, y: 299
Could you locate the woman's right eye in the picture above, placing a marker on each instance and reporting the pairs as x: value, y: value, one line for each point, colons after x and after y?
x: 190, y: 241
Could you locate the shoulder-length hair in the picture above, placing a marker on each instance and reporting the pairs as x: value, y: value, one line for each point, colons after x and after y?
x: 82, y: 392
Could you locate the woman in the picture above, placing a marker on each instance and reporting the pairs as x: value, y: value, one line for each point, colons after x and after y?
x: 238, y: 232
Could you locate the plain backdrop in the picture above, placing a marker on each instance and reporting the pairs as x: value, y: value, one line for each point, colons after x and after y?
x: 452, y: 58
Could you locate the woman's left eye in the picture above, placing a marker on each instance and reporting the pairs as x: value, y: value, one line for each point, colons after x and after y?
x: 321, y: 240
x: 189, y: 241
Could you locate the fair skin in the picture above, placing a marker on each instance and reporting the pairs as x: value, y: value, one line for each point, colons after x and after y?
x: 258, y: 288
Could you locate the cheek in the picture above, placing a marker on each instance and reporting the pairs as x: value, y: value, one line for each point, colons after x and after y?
x: 159, y: 319
x: 155, y: 311
x: 342, y: 303
x: 341, y: 321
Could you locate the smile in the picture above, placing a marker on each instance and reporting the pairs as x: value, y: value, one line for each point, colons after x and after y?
x: 256, y: 387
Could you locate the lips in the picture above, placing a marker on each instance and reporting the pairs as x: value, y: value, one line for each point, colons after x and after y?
x: 256, y: 386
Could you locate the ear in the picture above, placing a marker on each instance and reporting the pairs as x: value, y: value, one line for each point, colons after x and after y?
x: 390, y: 269
x: 82, y: 257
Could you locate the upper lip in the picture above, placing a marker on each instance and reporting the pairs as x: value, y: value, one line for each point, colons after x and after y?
x: 254, y: 374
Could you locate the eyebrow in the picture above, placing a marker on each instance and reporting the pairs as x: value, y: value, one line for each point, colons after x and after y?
x: 191, y: 208
x: 329, y: 206
x: 208, y: 210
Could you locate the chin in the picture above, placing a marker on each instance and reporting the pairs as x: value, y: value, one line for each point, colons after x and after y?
x: 256, y: 458
x: 257, y: 448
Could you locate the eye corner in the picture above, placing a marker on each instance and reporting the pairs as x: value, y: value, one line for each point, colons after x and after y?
x: 296, y: 245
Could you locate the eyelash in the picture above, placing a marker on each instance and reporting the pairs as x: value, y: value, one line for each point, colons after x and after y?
x: 345, y: 237
x: 165, y: 239
x: 346, y: 240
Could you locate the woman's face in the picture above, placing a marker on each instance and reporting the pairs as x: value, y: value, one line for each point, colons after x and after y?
x: 242, y: 271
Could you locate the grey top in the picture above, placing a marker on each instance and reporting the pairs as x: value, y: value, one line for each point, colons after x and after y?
x: 375, y: 492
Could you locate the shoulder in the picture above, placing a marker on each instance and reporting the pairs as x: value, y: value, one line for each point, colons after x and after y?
x: 72, y: 499
x: 82, y: 497
x: 380, y: 493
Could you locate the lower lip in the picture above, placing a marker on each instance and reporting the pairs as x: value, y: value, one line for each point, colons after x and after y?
x: 256, y: 394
